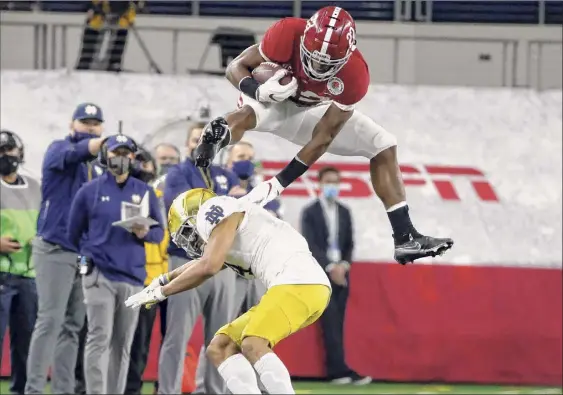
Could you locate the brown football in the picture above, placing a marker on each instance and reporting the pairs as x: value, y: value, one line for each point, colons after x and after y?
x: 265, y: 70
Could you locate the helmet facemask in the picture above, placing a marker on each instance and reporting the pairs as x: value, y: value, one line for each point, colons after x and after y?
x: 188, y: 239
x: 318, y: 66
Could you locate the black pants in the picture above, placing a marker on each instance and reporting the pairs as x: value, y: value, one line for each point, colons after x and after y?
x: 141, y: 346
x: 80, y: 383
x: 332, y: 323
x: 18, y: 310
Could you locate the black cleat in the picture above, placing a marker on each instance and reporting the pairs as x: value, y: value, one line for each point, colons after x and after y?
x: 215, y: 136
x: 419, y: 246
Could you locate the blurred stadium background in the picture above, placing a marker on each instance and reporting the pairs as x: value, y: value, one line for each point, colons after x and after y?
x: 472, y: 89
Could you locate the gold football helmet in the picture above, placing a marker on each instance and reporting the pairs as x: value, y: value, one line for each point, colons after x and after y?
x: 182, y: 220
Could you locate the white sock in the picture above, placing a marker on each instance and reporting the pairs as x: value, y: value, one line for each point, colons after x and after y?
x: 274, y: 375
x: 239, y: 375
x: 396, y: 206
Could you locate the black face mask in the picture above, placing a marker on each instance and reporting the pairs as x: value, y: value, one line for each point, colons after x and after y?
x: 146, y: 176
x: 9, y: 164
x: 119, y: 165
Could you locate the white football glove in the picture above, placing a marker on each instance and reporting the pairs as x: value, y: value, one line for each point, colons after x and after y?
x: 272, y: 92
x: 264, y: 192
x: 148, y: 297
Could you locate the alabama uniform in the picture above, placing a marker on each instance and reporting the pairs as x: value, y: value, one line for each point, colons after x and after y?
x: 295, y: 119
x: 274, y: 252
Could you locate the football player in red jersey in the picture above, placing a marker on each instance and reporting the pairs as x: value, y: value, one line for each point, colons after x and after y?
x: 316, y: 110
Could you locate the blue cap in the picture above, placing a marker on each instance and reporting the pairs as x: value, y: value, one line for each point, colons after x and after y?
x: 120, y: 141
x: 88, y: 111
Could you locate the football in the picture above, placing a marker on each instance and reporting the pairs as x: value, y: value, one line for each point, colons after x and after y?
x: 265, y: 70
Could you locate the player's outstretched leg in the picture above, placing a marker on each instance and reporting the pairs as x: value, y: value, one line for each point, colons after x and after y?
x: 273, y: 373
x: 221, y: 132
x: 388, y: 185
x: 235, y: 369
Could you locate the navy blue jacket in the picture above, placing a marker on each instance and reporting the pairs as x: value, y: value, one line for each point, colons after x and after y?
x: 63, y: 172
x: 118, y: 254
x: 185, y: 176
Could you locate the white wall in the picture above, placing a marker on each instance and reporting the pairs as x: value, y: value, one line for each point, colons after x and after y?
x: 512, y: 136
x: 403, y: 53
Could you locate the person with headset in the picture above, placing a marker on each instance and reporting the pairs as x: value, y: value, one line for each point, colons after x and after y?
x: 143, y: 168
x: 20, y: 197
x: 60, y: 317
x: 112, y: 261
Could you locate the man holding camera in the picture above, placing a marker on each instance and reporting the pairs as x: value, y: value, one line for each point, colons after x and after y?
x: 20, y: 197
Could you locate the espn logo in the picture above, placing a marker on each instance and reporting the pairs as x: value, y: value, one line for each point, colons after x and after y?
x: 356, y: 182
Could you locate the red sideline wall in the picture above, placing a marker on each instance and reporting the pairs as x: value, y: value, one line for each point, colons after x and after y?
x: 437, y: 323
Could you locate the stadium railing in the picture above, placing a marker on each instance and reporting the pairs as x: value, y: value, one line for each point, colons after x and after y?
x: 422, y: 11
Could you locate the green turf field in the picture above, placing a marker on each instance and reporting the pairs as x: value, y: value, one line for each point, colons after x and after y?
x: 305, y: 387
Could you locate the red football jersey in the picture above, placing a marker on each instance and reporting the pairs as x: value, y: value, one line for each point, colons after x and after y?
x: 281, y: 44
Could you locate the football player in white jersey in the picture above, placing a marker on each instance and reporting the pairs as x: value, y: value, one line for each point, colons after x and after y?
x: 225, y: 232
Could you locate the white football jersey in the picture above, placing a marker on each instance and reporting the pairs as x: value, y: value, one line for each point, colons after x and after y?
x: 265, y: 247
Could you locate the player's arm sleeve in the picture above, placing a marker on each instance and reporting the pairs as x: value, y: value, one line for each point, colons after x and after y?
x: 277, y: 44
x: 349, y: 245
x: 213, y: 212
x: 78, y: 218
x: 309, y: 232
x: 156, y: 232
x: 62, y: 154
x: 176, y: 183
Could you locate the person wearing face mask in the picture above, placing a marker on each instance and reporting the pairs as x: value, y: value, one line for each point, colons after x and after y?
x: 326, y: 224
x: 54, y: 343
x: 166, y: 155
x: 156, y: 264
x: 144, y: 166
x: 112, y: 262
x: 241, y: 162
x: 216, y: 299
x: 20, y: 197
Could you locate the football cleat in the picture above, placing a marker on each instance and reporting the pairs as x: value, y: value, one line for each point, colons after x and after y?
x: 215, y: 136
x: 419, y: 246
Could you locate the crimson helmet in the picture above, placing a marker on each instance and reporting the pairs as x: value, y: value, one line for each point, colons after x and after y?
x: 327, y: 43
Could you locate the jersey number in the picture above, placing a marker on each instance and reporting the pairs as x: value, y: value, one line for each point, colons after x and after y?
x: 214, y: 215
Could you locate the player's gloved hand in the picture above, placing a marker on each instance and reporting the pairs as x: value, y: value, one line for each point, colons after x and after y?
x: 264, y: 192
x: 147, y: 297
x: 159, y: 281
x: 272, y: 91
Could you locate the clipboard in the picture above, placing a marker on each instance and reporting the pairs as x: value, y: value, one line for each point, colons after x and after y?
x: 132, y: 214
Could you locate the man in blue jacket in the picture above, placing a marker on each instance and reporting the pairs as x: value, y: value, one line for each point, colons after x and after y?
x: 215, y: 299
x: 54, y: 342
x: 113, y: 262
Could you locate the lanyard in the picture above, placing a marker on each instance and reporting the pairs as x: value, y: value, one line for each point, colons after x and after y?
x: 207, y: 179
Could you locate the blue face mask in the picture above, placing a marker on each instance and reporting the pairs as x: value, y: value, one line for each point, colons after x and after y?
x: 79, y: 136
x: 330, y: 191
x: 244, y: 169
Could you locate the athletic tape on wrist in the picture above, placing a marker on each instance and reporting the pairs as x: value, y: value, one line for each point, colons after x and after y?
x: 249, y: 86
x: 292, y: 172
